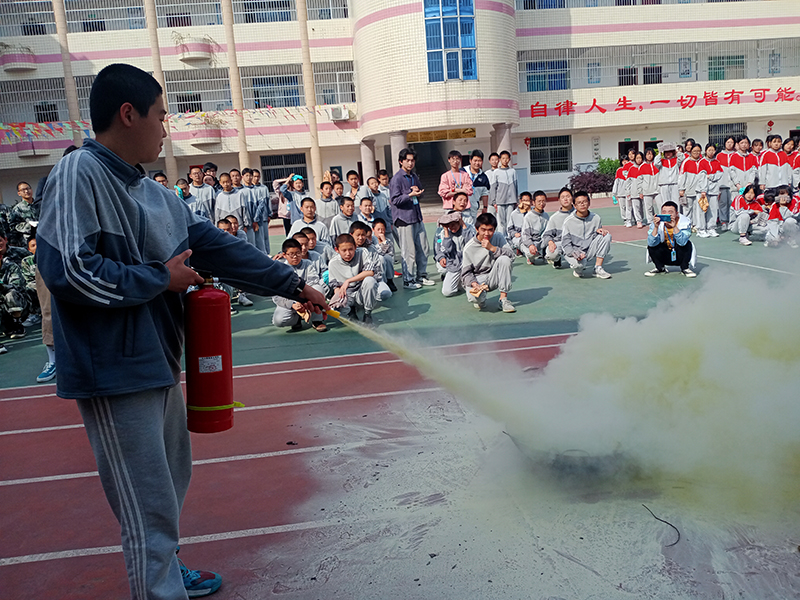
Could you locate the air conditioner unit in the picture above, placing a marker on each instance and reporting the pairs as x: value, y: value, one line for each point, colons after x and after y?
x: 339, y: 113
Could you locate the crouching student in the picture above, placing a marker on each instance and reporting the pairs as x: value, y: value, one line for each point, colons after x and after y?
x: 383, y: 243
x: 748, y: 216
x: 782, y: 224
x: 551, y: 236
x: 362, y: 234
x: 516, y: 220
x: 289, y: 313
x: 583, y: 239
x: 461, y: 206
x: 487, y: 261
x: 668, y: 241
x: 448, y: 248
x: 533, y: 227
x: 352, y: 279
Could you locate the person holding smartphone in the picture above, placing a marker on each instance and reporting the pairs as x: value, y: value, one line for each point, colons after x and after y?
x: 668, y: 241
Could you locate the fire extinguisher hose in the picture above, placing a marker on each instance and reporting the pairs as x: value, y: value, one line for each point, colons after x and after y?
x: 205, y: 408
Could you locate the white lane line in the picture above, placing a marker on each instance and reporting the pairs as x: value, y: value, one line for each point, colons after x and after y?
x: 346, y: 356
x: 226, y: 459
x: 729, y: 262
x: 42, y: 429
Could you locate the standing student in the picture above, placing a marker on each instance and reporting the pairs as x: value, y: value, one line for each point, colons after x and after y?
x: 454, y: 181
x: 724, y: 158
x: 479, y: 199
x: 22, y: 215
x: 204, y: 194
x: 292, y: 192
x: 668, y: 173
x: 356, y: 191
x: 229, y: 201
x: 327, y: 206
x: 773, y: 166
x: 263, y: 212
x: 618, y: 189
x: 122, y: 292
x: 709, y: 187
x: 380, y: 202
x: 407, y: 218
x: 341, y: 223
x: 250, y: 203
x: 635, y: 196
x: 491, y: 175
x: 758, y: 147
x: 690, y: 177
x: 310, y: 219
x: 503, y: 193
x: 743, y: 167
x: 647, y: 184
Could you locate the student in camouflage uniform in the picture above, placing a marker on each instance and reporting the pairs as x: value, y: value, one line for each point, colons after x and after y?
x: 13, y: 297
x: 21, y: 215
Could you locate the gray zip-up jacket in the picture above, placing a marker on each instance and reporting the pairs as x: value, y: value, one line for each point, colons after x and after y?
x: 341, y: 224
x: 578, y: 233
x: 308, y: 270
x: 533, y: 227
x: 451, y: 247
x: 477, y: 260
x: 339, y: 270
x: 515, y: 221
x: 553, y: 230
x: 503, y: 189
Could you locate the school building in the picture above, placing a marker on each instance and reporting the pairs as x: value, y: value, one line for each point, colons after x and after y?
x: 310, y: 85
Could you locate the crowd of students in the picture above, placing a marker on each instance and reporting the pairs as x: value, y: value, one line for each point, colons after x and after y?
x: 744, y: 188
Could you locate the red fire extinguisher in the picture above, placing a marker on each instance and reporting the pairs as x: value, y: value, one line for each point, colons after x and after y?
x: 209, y: 360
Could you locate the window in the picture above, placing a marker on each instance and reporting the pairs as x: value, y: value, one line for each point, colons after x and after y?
x: 176, y: 13
x: 89, y: 16
x: 46, y: 112
x: 546, y: 75
x: 333, y: 82
x: 264, y: 11
x: 628, y: 76
x: 450, y: 39
x: 774, y: 63
x: 718, y: 133
x: 273, y: 86
x: 26, y: 18
x: 726, y: 67
x: 280, y: 166
x: 33, y: 100
x: 594, y: 73
x: 651, y: 75
x: 327, y: 9
x: 195, y: 90
x: 84, y: 86
x: 551, y: 154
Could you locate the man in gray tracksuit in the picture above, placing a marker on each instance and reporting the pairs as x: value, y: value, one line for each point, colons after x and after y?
x: 584, y: 239
x: 551, y: 236
x: 448, y: 248
x: 533, y: 227
x: 503, y: 193
x: 486, y: 265
x: 287, y: 311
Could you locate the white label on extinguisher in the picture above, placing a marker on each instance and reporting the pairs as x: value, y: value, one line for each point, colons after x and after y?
x: 210, y: 364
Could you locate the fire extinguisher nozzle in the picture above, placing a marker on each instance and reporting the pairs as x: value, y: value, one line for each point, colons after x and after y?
x: 333, y: 313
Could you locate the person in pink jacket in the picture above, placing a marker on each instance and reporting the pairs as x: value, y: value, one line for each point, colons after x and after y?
x: 454, y: 181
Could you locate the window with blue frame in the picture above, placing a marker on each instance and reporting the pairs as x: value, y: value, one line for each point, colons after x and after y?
x: 450, y: 39
x: 546, y: 75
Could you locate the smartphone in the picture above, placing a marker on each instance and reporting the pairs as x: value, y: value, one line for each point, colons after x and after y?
x: 665, y: 218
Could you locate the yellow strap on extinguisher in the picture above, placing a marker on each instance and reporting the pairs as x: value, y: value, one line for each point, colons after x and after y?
x: 205, y: 408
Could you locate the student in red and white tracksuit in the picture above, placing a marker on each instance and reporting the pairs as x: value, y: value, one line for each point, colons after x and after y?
x: 773, y: 167
x: 706, y: 222
x: 635, y: 212
x: 782, y: 223
x: 690, y: 177
x: 742, y: 167
x: 795, y: 164
x: 746, y: 209
x: 668, y: 174
x: 618, y: 190
x: 725, y: 183
x: 647, y: 184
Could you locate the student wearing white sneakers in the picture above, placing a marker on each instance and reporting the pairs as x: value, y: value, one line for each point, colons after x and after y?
x: 583, y: 238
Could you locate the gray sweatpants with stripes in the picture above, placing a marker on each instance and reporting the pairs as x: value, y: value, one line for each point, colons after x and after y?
x: 144, y: 457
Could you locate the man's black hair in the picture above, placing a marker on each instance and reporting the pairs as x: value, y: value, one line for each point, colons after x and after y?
x: 352, y: 172
x: 209, y: 166
x: 505, y: 152
x: 221, y: 221
x: 538, y: 193
x: 461, y: 194
x: 299, y: 235
x: 304, y: 200
x: 308, y: 230
x: 582, y: 193
x: 670, y: 203
x: 324, y: 183
x: 405, y: 153
x: 344, y: 199
x: 247, y: 170
x: 116, y: 85
x: 377, y: 221
x: 528, y: 194
x: 234, y: 169
x: 784, y: 188
x: 566, y: 189
x: 359, y: 226
x: 475, y: 153
x: 494, y: 154
x: 344, y: 238
x: 361, y: 201
x: 453, y: 154
x: 234, y: 217
x: 383, y: 172
x: 486, y: 219
x: 291, y: 243
x: 160, y: 174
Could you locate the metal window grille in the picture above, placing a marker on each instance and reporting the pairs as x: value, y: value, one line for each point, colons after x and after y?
x: 450, y: 39
x: 552, y: 154
x: 333, y: 82
x: 173, y: 13
x: 718, y: 133
x: 576, y: 68
x: 101, y: 15
x: 26, y: 18
x: 264, y: 11
x: 327, y: 9
x: 272, y: 85
x: 280, y: 166
x: 195, y: 90
x: 84, y: 85
x: 540, y: 4
x: 33, y: 101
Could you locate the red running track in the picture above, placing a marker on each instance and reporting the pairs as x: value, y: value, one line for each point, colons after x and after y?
x: 252, y: 486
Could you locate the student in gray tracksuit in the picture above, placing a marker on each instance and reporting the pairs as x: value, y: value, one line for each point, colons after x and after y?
x: 503, y: 193
x: 351, y: 276
x: 533, y: 227
x: 341, y: 223
x: 583, y: 239
x: 516, y: 220
x: 448, y: 247
x: 487, y: 260
x: 286, y: 311
x: 551, y: 236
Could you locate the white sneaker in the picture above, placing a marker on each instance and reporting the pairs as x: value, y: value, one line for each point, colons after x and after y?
x: 653, y: 272
x: 712, y: 233
x: 600, y: 272
x: 628, y: 224
x: 791, y: 243
x: 244, y: 300
x: 506, y: 306
x: 425, y: 281
x: 412, y: 285
x: 702, y: 233
x: 744, y: 241
x: 577, y: 272
x: 689, y: 273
